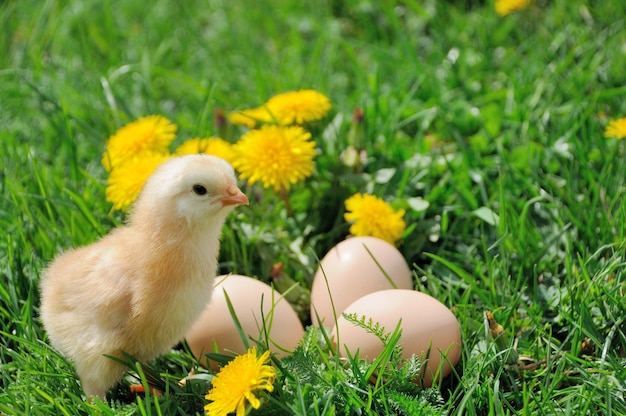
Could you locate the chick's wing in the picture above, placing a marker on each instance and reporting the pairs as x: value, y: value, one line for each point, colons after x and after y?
x: 87, y: 296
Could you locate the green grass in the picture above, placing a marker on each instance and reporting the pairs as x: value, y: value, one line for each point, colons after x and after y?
x: 478, y: 115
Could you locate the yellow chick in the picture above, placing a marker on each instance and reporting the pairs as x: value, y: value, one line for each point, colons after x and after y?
x: 141, y: 287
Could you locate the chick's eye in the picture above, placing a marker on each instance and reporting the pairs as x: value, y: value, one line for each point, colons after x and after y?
x: 199, y: 189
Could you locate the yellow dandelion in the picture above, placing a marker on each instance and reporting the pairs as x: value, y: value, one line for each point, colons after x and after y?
x: 213, y: 146
x: 151, y: 133
x: 616, y: 129
x: 372, y: 216
x: 127, y: 179
x: 236, y: 383
x: 251, y: 117
x: 298, y: 107
x: 504, y: 7
x: 278, y: 156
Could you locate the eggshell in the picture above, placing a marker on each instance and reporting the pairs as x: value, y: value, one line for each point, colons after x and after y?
x: 426, y: 323
x: 351, y: 273
x: 251, y: 300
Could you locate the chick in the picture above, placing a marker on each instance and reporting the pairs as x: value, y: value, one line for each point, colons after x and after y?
x: 141, y: 287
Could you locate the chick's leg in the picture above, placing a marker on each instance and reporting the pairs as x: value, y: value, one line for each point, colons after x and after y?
x: 98, y: 375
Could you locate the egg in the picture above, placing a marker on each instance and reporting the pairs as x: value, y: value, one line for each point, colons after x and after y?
x: 252, y: 300
x: 426, y: 324
x: 352, y: 272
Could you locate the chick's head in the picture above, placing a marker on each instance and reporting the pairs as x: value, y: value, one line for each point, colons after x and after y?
x: 194, y: 188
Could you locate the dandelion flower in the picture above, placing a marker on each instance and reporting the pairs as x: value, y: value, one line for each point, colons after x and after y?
x: 213, y: 146
x: 504, y: 7
x: 127, y: 179
x: 249, y: 118
x: 372, y: 216
x: 616, y: 128
x: 295, y: 107
x: 236, y: 383
x: 151, y: 133
x: 278, y: 156
x: 298, y: 107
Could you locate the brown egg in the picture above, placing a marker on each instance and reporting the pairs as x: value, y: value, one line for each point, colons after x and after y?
x: 426, y: 324
x: 352, y: 272
x: 252, y: 301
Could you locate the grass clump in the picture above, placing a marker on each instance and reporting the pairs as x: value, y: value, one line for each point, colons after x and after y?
x: 487, y: 130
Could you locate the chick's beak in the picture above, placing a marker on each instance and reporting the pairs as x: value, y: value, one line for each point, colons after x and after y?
x: 234, y: 196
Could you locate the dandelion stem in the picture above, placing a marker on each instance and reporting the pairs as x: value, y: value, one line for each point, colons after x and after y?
x: 283, y: 195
